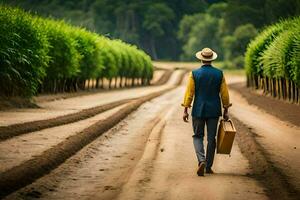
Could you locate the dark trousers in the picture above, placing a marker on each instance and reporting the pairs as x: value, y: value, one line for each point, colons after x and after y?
x: 198, y: 126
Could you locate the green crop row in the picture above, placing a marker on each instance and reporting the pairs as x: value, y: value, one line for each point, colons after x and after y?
x: 46, y: 55
x: 272, y: 60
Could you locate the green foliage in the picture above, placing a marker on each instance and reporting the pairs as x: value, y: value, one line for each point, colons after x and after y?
x: 240, y: 13
x: 64, y: 57
x: 238, y: 62
x: 124, y: 19
x: 243, y: 35
x: 200, y: 34
x: 295, y: 59
x: 275, y: 59
x: 275, y: 51
x: 210, y: 30
x: 258, y: 45
x: 234, y: 45
x: 218, y: 10
x: 23, y: 53
x: 142, y: 22
x: 279, y: 9
x: 234, y: 24
x: 37, y: 52
x: 156, y: 16
x: 186, y: 25
x: 87, y: 45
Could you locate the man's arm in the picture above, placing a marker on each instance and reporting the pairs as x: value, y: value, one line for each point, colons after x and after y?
x: 225, y: 98
x: 188, y: 97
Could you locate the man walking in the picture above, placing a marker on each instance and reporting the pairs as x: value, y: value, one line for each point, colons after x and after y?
x: 206, y: 84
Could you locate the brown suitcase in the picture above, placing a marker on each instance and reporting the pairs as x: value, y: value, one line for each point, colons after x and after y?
x: 226, y: 134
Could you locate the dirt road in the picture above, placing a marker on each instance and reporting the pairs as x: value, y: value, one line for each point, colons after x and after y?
x: 150, y: 155
x: 51, y: 109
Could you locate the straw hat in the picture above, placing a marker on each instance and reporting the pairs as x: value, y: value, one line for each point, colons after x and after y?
x: 206, y: 54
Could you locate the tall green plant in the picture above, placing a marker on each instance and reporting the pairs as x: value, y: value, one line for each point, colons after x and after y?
x: 23, y: 53
x: 56, y: 56
x: 295, y: 58
x: 64, y: 57
x: 258, y: 45
x: 89, y: 49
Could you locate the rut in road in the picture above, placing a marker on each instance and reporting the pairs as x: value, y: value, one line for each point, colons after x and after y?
x: 31, y: 126
x: 10, y: 131
x: 168, y: 171
x: 128, y: 162
x: 106, y: 161
x: 67, y: 106
x: 273, y: 146
x: 28, y: 171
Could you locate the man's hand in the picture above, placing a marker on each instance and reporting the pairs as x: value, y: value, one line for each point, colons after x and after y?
x: 225, y: 114
x: 185, y: 117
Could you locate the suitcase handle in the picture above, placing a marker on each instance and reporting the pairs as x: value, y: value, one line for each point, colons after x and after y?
x: 231, y: 123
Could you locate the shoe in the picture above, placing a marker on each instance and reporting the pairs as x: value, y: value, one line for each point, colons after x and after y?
x: 209, y: 171
x: 201, y: 167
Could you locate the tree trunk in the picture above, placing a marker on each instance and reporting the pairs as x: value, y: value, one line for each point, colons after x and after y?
x: 116, y: 81
x: 120, y: 84
x: 248, y: 82
x: 109, y: 84
x: 153, y: 48
x: 293, y: 91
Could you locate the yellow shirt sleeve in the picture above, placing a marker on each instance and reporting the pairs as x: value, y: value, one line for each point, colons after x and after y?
x: 224, y: 94
x: 190, y: 91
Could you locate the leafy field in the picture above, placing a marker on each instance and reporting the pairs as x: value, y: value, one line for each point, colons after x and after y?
x: 44, y: 55
x: 273, y: 60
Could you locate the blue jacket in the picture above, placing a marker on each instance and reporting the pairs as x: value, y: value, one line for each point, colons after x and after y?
x: 207, y: 103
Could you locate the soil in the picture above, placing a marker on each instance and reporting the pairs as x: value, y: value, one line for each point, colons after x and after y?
x: 160, y: 77
x: 264, y: 170
x: 279, y: 139
x: 22, y: 128
x: 52, y: 109
x: 283, y: 110
x: 150, y: 155
x: 146, y: 157
x: 32, y: 169
x: 15, y: 102
x: 17, y: 150
x: 164, y: 78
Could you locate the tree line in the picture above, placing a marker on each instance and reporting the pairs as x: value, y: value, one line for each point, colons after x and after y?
x: 172, y: 29
x: 45, y: 55
x: 150, y: 24
x: 229, y: 26
x: 272, y: 60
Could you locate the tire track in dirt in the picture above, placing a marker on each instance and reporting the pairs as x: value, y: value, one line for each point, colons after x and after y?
x: 103, y: 166
x: 32, y: 169
x: 164, y: 78
x: 137, y: 184
x: 7, y: 132
x: 17, y: 150
x: 171, y: 174
x: 264, y: 170
x: 279, y: 139
x: 13, y: 130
